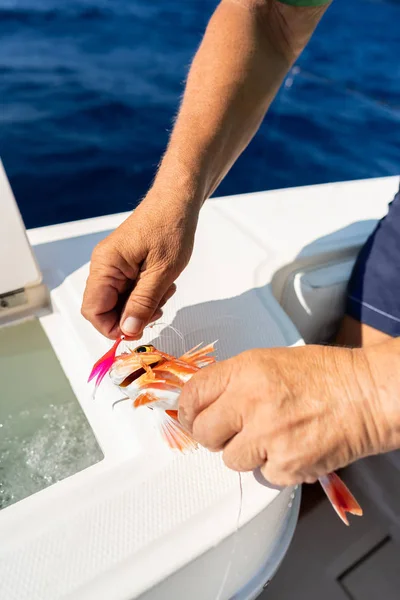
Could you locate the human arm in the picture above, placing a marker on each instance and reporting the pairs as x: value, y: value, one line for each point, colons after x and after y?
x: 247, y: 50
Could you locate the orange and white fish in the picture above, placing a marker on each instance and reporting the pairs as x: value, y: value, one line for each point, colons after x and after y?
x: 155, y: 379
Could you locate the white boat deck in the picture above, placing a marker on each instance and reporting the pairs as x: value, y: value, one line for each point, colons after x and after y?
x: 143, y: 522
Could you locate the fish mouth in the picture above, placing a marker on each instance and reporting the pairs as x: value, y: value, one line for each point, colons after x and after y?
x: 138, y: 373
x: 132, y: 377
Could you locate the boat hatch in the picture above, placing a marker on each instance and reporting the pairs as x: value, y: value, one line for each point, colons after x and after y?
x: 44, y: 434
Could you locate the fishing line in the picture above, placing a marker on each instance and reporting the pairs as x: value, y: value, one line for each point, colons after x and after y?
x: 383, y: 104
x: 174, y: 329
x: 239, y: 513
x: 118, y: 401
x: 191, y: 332
x: 234, y: 543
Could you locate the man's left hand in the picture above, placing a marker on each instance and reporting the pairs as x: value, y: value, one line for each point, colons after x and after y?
x: 298, y: 413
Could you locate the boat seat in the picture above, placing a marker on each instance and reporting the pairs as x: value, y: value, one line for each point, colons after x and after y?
x: 314, y: 298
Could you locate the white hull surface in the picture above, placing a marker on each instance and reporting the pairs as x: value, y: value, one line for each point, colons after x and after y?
x: 144, y: 522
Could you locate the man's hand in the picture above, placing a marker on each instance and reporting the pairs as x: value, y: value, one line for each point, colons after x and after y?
x: 298, y: 413
x: 133, y: 270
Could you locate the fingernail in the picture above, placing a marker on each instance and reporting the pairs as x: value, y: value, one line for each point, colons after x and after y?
x: 132, y: 326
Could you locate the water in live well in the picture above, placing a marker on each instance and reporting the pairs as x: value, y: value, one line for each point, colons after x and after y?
x: 44, y: 435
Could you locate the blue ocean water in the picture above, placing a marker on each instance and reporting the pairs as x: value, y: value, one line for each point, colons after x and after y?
x: 89, y: 90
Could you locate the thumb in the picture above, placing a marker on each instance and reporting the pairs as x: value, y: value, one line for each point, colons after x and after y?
x: 151, y: 290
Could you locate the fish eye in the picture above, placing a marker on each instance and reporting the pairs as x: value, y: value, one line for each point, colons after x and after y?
x: 141, y: 349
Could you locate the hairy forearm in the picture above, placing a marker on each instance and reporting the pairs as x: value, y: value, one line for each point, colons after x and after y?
x: 247, y: 50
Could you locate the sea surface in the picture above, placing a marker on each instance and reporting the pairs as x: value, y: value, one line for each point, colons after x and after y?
x: 89, y: 90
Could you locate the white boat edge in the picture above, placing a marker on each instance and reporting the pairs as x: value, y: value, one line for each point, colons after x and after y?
x: 350, y: 211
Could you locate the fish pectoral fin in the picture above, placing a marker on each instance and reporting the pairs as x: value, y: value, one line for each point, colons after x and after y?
x: 144, y: 398
x: 174, y: 434
x: 340, y: 496
x: 173, y: 414
x: 200, y: 356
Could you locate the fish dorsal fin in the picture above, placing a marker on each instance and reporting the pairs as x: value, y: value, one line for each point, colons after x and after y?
x: 199, y: 357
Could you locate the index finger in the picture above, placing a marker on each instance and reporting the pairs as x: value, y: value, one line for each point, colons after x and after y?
x: 203, y: 389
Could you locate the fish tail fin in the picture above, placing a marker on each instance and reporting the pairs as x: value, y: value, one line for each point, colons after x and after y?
x: 200, y: 356
x: 340, y: 496
x: 174, y: 434
x: 103, y: 365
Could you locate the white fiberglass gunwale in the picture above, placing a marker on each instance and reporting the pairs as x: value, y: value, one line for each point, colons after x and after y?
x: 143, y: 518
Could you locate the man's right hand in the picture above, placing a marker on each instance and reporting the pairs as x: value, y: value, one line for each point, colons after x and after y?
x: 132, y: 271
